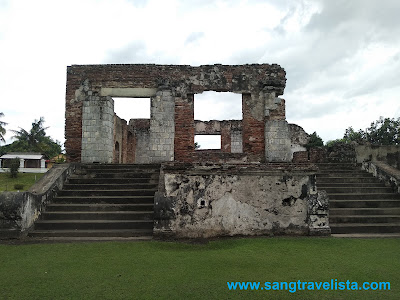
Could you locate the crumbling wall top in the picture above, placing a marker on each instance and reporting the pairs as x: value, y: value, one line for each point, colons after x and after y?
x: 184, y: 78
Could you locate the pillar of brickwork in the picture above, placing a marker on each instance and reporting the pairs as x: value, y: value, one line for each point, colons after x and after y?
x: 253, y: 127
x: 184, y: 128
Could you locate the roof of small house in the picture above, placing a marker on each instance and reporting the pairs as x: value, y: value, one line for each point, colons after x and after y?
x: 23, y: 155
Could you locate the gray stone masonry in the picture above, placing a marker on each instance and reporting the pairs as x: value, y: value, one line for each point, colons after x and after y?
x: 236, y: 141
x: 162, y: 127
x: 97, y: 129
x: 277, y: 141
x: 142, y: 146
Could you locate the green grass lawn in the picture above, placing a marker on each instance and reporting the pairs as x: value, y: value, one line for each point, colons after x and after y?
x: 166, y: 270
x: 26, y: 179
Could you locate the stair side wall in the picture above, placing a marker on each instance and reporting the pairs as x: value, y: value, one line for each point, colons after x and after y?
x: 19, y: 210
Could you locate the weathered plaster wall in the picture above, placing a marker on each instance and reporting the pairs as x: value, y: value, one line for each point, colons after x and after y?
x: 218, y: 200
x: 373, y: 153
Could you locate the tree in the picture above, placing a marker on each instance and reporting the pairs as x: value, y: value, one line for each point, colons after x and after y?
x: 2, y: 129
x: 354, y: 136
x: 384, y: 131
x: 314, y: 141
x: 34, y: 140
x: 35, y: 136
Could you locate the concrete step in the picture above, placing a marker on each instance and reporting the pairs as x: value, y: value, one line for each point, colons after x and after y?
x: 83, y: 180
x: 364, y: 219
x: 122, y: 166
x: 102, y: 202
x: 99, y: 207
x: 365, y: 228
x: 323, y: 186
x: 126, y: 192
x: 344, y: 174
x: 92, y: 233
x: 340, y: 171
x: 366, y: 235
x: 105, y: 199
x: 339, y: 166
x: 113, y: 186
x: 364, y: 211
x: 361, y: 179
x: 121, y: 170
x: 363, y: 196
x: 92, y: 224
x: 359, y: 202
x: 90, y: 239
x: 363, y: 203
x: 95, y: 215
x: 123, y: 175
x: 356, y: 190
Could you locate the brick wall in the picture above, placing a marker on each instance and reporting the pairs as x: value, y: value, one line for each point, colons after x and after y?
x: 300, y: 156
x: 253, y: 130
x: 184, y: 129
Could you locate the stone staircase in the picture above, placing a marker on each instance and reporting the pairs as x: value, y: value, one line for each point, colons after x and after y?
x: 103, y: 202
x: 360, y: 205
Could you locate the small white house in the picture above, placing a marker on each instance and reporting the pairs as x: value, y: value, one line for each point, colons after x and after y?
x: 28, y: 162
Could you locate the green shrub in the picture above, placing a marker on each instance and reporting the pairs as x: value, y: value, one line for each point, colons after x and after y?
x: 333, y: 143
x: 314, y: 141
x: 18, y: 186
x: 14, y: 167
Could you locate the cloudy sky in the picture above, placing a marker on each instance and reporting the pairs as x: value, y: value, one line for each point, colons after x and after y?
x: 342, y: 57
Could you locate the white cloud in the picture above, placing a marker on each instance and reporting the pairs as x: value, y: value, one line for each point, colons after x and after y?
x: 341, y: 57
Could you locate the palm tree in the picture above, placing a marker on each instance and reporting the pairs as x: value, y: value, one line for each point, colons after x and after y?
x: 2, y: 129
x: 34, y: 136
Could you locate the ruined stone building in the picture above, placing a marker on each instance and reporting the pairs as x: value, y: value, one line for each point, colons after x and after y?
x: 249, y: 186
x: 143, y: 178
x: 94, y: 134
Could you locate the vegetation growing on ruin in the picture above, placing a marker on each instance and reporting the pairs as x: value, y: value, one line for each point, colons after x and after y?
x: 314, y: 141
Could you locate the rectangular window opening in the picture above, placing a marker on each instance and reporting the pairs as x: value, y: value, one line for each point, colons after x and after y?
x: 207, y: 142
x: 212, y: 105
x: 132, y: 108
